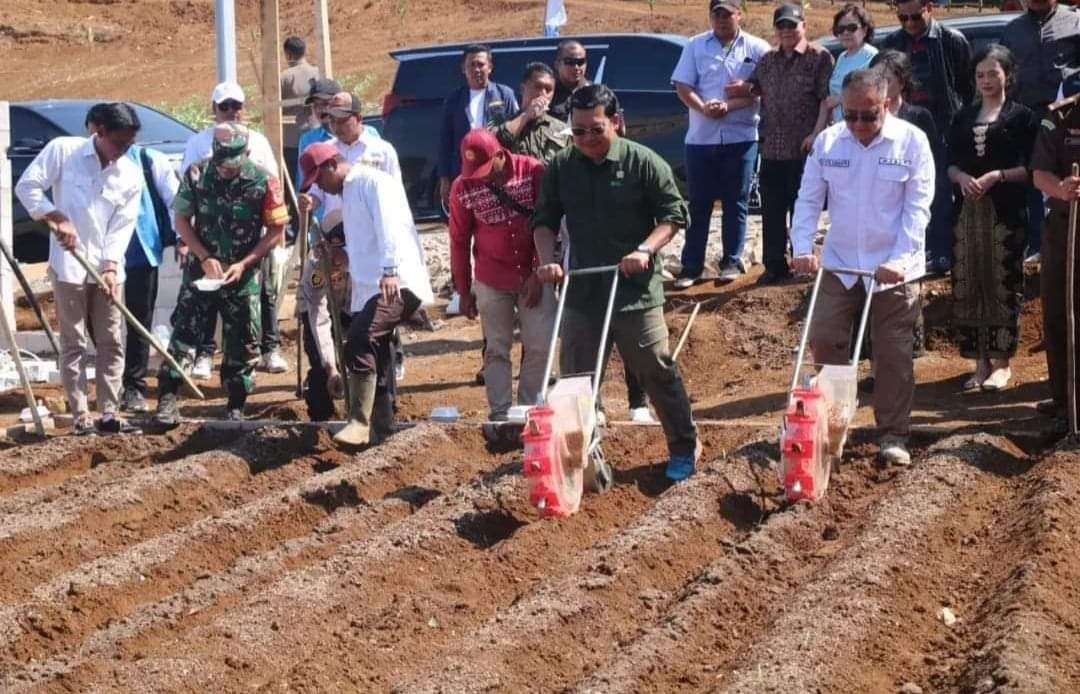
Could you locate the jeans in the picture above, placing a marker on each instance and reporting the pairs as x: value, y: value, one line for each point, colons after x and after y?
x: 779, y: 180
x: 717, y: 172
x: 140, y: 295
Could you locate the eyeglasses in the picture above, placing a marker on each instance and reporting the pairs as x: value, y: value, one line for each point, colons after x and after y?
x: 576, y: 62
x: 230, y: 105
x: 847, y: 28
x: 578, y: 131
x: 905, y: 18
x: 862, y: 116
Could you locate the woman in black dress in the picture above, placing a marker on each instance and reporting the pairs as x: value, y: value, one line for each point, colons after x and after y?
x: 989, y: 146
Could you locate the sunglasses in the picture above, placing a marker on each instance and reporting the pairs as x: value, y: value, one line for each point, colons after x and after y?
x: 576, y: 62
x: 862, y: 116
x: 786, y: 24
x: 905, y: 18
x: 578, y: 131
x: 230, y: 105
x: 847, y: 28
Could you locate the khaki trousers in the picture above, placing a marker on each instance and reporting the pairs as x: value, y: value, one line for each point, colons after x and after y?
x: 78, y: 305
x: 891, y: 322
x: 499, y: 312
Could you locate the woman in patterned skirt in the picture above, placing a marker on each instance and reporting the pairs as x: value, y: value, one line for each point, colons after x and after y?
x: 989, y: 145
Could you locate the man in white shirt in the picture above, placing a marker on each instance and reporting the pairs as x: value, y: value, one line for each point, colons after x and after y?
x: 721, y: 142
x: 96, y: 192
x: 877, y: 172
x: 227, y: 106
x: 389, y: 279
x: 356, y: 145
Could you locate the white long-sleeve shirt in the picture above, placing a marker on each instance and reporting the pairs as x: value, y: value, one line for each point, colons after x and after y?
x: 367, y: 150
x: 879, y: 200
x: 379, y: 233
x: 101, y: 202
x: 201, y: 145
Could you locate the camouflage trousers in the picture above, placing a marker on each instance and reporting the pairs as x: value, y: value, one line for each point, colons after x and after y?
x: 240, y: 331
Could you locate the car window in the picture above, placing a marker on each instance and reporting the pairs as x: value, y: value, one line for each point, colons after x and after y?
x: 642, y: 64
x: 70, y: 119
x: 25, y: 124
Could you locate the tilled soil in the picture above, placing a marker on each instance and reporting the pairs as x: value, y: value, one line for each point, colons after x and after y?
x: 202, y: 560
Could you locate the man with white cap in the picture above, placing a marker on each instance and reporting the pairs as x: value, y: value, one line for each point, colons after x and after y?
x: 390, y: 280
x: 227, y: 105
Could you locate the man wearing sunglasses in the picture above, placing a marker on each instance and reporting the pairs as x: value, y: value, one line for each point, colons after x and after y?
x: 222, y: 207
x: 941, y: 70
x: 570, y: 64
x: 227, y: 103
x: 877, y: 172
x: 621, y: 206
x: 721, y: 143
x: 319, y: 127
x: 792, y: 81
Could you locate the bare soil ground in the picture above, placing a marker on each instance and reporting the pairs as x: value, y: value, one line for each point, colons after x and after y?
x: 198, y: 560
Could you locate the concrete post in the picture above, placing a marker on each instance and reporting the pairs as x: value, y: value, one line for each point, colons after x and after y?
x: 7, y: 198
x: 322, y: 38
x: 225, y: 25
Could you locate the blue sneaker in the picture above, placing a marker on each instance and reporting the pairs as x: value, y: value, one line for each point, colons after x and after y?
x: 679, y: 467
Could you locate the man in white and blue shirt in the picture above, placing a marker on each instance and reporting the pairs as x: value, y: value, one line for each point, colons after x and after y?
x: 721, y: 143
x: 878, y: 174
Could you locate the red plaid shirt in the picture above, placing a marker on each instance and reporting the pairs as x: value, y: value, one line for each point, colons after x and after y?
x: 499, y: 236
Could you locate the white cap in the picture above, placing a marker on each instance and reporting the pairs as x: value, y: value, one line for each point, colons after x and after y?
x: 226, y: 91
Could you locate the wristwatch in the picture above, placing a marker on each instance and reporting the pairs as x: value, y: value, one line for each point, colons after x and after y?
x: 644, y: 248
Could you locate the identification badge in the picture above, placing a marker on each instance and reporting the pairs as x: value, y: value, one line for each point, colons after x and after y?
x: 317, y: 280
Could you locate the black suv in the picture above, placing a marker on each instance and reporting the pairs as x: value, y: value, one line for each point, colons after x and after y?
x: 637, y: 66
x: 34, y: 123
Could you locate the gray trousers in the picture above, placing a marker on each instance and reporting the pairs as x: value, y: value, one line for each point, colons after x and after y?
x: 76, y: 306
x: 499, y: 312
x: 891, y: 322
x: 642, y: 339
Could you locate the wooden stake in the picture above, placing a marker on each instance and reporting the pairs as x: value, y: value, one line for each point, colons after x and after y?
x: 271, y: 82
x: 9, y: 337
x: 322, y: 38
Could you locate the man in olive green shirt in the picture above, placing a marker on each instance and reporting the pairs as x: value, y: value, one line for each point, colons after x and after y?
x: 534, y: 131
x: 621, y: 207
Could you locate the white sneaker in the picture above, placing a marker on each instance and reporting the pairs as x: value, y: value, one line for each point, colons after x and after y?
x: 641, y: 415
x: 274, y: 362
x: 894, y: 451
x: 685, y: 282
x: 204, y: 366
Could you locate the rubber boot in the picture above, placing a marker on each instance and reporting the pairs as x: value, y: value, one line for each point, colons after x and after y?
x: 382, y: 418
x: 361, y: 402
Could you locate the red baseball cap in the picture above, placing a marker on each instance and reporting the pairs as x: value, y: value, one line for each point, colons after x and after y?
x: 478, y: 148
x: 313, y: 157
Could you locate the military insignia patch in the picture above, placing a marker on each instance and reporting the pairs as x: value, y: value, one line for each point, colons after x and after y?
x: 317, y: 280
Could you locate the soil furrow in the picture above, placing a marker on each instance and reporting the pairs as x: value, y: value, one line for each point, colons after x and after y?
x: 632, y: 571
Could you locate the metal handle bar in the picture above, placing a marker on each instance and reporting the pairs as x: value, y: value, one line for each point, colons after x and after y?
x: 849, y: 271
x: 599, y: 269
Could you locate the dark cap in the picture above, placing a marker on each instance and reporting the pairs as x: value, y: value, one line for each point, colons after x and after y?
x: 322, y: 89
x: 344, y: 104
x: 731, y: 6
x: 787, y: 13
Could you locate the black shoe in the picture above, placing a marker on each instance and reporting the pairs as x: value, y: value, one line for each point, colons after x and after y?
x: 938, y: 266
x: 115, y: 425
x: 730, y: 271
x: 133, y: 401
x: 480, y: 377
x: 168, y: 413
x: 769, y: 277
x: 1050, y: 408
x: 84, y: 426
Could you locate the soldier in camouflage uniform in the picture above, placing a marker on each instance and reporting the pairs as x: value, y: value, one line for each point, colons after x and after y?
x: 221, y: 208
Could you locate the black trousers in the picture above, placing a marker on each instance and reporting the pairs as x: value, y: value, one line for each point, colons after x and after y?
x: 370, y: 346
x: 779, y: 181
x: 140, y: 295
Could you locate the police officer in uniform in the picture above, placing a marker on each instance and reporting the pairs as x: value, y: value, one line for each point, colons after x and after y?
x: 221, y: 208
x: 1057, y: 148
x: 323, y: 381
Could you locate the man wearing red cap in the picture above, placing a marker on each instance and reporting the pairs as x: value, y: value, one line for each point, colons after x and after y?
x: 389, y: 279
x: 491, y: 204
